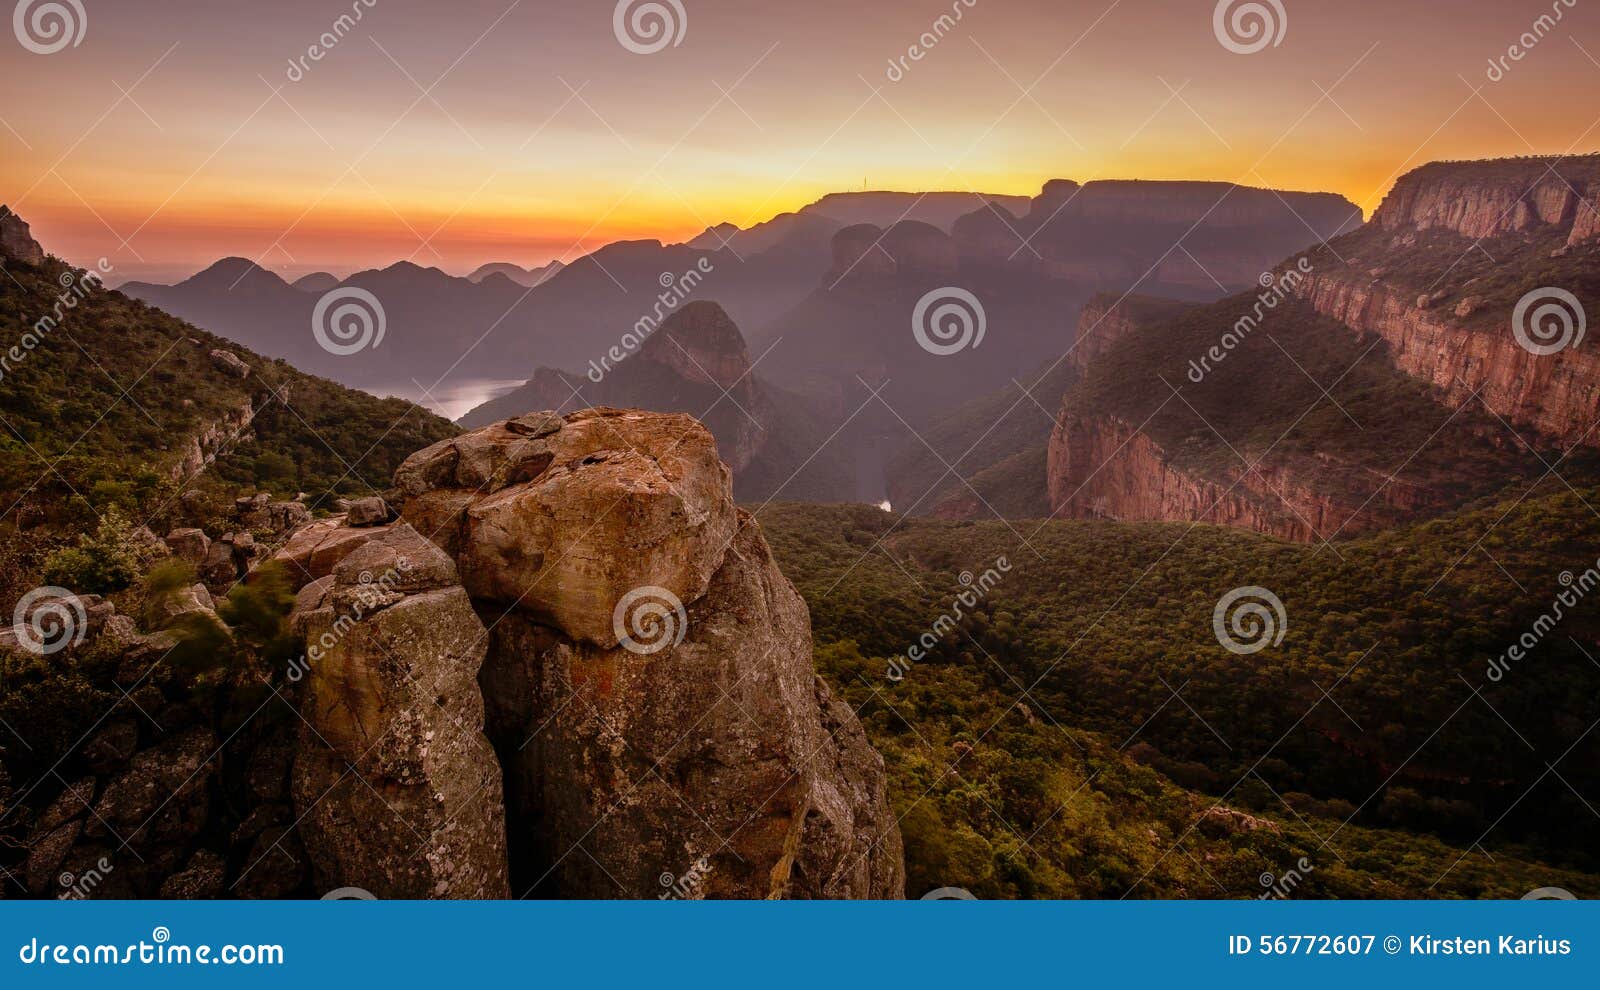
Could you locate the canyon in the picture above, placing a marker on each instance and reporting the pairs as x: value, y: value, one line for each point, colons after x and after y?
x: 1393, y: 288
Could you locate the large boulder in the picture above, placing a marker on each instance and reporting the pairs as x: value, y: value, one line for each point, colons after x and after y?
x: 397, y: 789
x: 723, y: 749
x: 649, y: 677
x: 569, y: 524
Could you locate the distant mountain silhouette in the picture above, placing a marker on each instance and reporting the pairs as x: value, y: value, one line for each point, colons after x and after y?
x: 317, y: 282
x: 885, y: 209
x: 525, y: 277
x: 835, y: 323
x: 697, y: 362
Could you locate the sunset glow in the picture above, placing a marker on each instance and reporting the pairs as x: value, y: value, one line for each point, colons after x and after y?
x: 497, y: 130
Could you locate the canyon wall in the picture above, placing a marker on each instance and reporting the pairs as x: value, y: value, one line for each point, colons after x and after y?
x: 1101, y: 467
x: 1480, y: 200
x: 1554, y: 395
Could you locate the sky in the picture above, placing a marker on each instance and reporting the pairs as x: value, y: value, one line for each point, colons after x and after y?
x: 454, y: 134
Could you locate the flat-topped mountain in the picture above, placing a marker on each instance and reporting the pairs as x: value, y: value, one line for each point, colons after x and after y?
x: 1193, y: 238
x: 1490, y: 198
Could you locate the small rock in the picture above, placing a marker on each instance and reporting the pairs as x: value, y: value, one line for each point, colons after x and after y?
x: 372, y: 511
x: 536, y: 425
x: 1469, y: 306
x: 69, y: 804
x: 201, y: 880
x: 181, y: 602
x: 112, y: 746
x: 46, y: 855
x: 285, y: 516
x: 229, y: 362
x: 219, y: 570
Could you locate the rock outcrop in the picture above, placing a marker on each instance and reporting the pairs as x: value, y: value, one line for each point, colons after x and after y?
x: 697, y: 362
x: 1481, y: 200
x: 908, y: 247
x: 398, y: 789
x: 204, y: 446
x: 649, y: 680
x: 646, y: 682
x: 16, y: 241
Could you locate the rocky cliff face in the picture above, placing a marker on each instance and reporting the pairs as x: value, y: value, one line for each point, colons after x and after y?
x: 646, y: 680
x: 1487, y: 199
x: 1108, y: 317
x: 1555, y: 395
x: 1456, y: 330
x: 399, y: 791
x: 16, y: 242
x: 1103, y: 468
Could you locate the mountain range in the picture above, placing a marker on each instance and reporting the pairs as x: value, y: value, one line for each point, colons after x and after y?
x: 775, y: 278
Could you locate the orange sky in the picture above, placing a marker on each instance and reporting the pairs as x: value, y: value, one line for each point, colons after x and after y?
x: 353, y: 166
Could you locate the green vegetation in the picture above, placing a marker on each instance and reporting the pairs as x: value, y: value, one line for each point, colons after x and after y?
x: 1266, y: 395
x: 98, y: 411
x: 1451, y: 269
x: 1110, y: 619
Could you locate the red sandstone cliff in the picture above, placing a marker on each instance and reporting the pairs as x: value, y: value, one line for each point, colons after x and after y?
x: 1555, y: 395
x: 1488, y: 199
x: 1101, y: 467
x: 1471, y: 347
